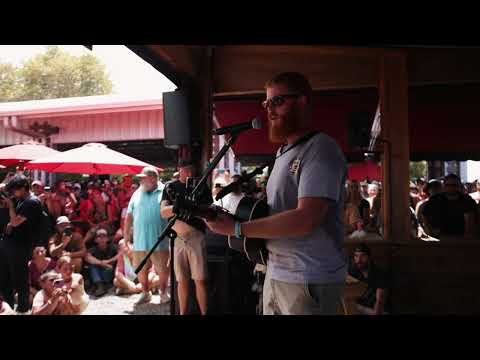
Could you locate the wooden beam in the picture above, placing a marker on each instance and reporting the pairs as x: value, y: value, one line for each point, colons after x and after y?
x: 177, y: 62
x: 393, y: 90
x: 443, y: 66
x: 245, y: 69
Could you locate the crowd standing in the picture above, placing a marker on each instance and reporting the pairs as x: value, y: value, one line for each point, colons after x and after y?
x: 62, y: 243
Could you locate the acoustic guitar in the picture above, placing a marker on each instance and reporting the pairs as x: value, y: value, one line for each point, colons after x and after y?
x: 255, y: 250
x: 248, y: 209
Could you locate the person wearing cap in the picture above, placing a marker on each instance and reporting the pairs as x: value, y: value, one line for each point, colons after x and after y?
x: 362, y: 267
x: 68, y: 242
x: 51, y: 299
x: 37, y: 188
x: 190, y: 254
x: 102, y: 259
x: 39, y: 265
x: 143, y: 214
x: 16, y: 248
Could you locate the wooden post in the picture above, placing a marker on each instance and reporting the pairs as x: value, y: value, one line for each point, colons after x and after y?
x: 201, y: 90
x: 393, y: 89
x: 206, y: 88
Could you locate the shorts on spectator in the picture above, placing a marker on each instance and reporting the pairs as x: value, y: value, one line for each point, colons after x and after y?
x: 158, y: 258
x: 190, y: 256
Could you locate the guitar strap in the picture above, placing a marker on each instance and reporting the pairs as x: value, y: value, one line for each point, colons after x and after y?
x: 300, y: 141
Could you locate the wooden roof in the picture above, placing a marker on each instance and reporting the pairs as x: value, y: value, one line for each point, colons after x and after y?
x: 243, y: 69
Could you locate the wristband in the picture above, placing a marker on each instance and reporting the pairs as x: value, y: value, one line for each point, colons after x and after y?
x: 238, y: 229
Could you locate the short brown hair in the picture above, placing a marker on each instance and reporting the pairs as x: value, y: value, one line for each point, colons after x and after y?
x: 295, y: 82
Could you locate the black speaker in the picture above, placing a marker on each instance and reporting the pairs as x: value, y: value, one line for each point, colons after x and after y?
x: 176, y: 119
x: 359, y: 126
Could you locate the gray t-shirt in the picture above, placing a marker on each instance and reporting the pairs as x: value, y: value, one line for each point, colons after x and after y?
x: 316, y: 168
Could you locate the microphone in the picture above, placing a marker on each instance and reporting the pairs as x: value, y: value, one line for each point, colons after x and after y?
x: 256, y: 123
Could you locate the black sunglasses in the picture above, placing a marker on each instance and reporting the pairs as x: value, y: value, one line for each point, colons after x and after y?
x: 278, y: 100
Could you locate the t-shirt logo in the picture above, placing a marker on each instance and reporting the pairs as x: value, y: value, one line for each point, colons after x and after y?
x: 294, y: 166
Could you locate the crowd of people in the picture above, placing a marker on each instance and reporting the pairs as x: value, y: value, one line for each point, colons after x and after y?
x: 80, y: 238
x: 439, y: 208
x: 57, y: 243
x: 362, y: 208
x: 78, y: 244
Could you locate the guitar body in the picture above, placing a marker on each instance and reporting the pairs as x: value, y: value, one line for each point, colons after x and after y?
x: 248, y: 209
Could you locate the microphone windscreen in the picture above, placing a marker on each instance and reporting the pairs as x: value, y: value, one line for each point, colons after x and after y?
x: 256, y: 123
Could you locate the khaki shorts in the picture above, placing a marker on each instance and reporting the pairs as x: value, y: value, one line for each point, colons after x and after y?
x: 190, y: 256
x: 281, y: 298
x: 158, y: 258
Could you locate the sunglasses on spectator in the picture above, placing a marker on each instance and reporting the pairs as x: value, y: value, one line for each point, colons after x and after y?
x: 278, y: 100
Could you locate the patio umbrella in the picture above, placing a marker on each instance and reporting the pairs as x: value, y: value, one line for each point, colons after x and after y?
x: 17, y: 154
x: 92, y: 158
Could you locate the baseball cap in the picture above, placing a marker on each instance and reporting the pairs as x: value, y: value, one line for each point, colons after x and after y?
x: 77, y: 186
x: 37, y: 182
x: 148, y: 171
x: 63, y: 220
x: 101, y: 232
x: 50, y: 275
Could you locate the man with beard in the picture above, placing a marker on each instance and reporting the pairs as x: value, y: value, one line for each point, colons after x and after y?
x: 450, y: 213
x: 374, y: 300
x: 306, y: 267
x: 144, y: 214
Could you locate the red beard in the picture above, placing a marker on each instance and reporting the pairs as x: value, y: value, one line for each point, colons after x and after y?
x: 283, y: 126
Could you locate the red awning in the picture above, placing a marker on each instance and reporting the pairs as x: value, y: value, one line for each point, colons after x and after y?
x: 331, y: 112
x: 367, y: 170
x: 443, y: 120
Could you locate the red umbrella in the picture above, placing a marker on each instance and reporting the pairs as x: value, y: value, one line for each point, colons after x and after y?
x: 17, y: 154
x: 93, y: 158
x: 364, y: 170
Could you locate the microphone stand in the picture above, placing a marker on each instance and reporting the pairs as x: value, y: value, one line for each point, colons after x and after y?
x: 172, y: 235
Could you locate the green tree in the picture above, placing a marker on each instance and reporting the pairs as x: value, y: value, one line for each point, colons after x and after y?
x: 56, y: 74
x: 9, y: 82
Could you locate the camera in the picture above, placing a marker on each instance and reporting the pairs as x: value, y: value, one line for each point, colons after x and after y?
x: 59, y: 283
x: 68, y: 231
